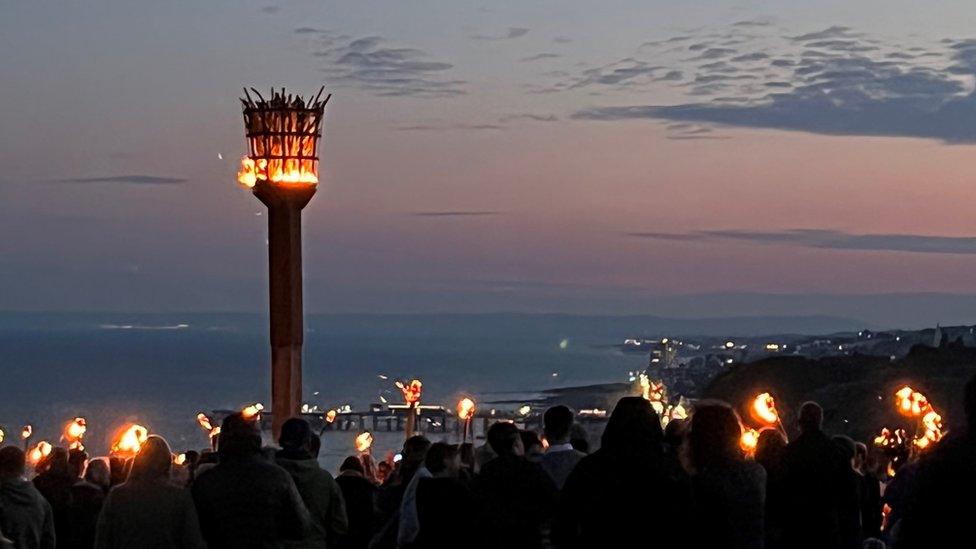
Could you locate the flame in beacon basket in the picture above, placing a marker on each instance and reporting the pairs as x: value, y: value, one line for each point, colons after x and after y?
x: 129, y: 440
x: 363, y: 442
x: 288, y: 171
x: 465, y: 408
x: 764, y: 409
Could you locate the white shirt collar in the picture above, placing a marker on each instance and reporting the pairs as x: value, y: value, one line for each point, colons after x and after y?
x: 565, y: 447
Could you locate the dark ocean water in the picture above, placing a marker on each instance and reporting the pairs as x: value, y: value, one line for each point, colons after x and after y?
x: 160, y: 370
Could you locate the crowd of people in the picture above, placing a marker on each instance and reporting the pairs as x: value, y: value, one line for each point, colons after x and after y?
x: 690, y: 485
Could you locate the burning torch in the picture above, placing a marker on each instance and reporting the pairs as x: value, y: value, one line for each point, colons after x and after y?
x: 25, y: 434
x: 74, y: 431
x: 207, y: 424
x: 763, y: 410
x: 411, y: 395
x: 129, y: 440
x: 281, y: 169
x: 465, y: 412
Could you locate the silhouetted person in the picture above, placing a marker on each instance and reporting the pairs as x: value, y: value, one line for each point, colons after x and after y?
x: 515, y: 496
x: 579, y: 438
x: 532, y: 446
x: 86, y: 500
x: 319, y: 491
x: 389, y: 499
x: 940, y: 510
x: 445, y: 506
x: 628, y: 493
x: 26, y: 517
x: 771, y: 454
x: 850, y: 515
x: 54, y: 481
x: 147, y: 511
x: 868, y: 493
x: 818, y: 485
x: 560, y: 458
x: 360, y: 497
x: 98, y: 474
x: 245, y: 501
x: 729, y: 492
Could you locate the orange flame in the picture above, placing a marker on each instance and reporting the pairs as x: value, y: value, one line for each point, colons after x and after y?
x: 363, y: 442
x: 253, y: 411
x: 26, y: 432
x: 653, y: 392
x: 74, y: 431
x: 749, y: 440
x: 411, y: 391
x: 129, y: 440
x: 40, y: 451
x: 205, y: 423
x: 465, y: 408
x: 179, y: 459
x: 764, y: 409
x: 910, y: 402
x: 290, y: 171
x: 330, y: 416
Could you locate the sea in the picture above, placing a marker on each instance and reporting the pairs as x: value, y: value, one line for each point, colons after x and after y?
x: 160, y: 370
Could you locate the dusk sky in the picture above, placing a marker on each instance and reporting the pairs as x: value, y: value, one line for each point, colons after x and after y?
x: 486, y: 156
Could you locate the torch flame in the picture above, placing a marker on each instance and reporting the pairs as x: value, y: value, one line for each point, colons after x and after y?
x: 411, y: 391
x: 129, y: 440
x: 40, y: 451
x: 749, y: 440
x: 179, y: 459
x: 911, y: 403
x: 3, y: 435
x: 363, y: 442
x: 764, y: 409
x: 205, y: 422
x: 75, y: 430
x: 253, y: 411
x: 653, y: 392
x: 26, y: 432
x: 330, y: 416
x: 465, y: 408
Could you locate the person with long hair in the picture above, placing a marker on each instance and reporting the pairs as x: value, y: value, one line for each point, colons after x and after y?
x: 147, y: 510
x: 729, y: 490
x: 630, y: 478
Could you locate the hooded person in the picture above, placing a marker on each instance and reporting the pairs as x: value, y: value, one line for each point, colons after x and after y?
x: 244, y: 500
x: 629, y: 476
x: 87, y: 499
x: 26, y: 518
x: 319, y: 491
x: 147, y: 510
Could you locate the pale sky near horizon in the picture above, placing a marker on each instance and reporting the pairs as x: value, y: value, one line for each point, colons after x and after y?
x: 482, y: 156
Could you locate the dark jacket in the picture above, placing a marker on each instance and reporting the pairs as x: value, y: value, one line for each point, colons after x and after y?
x: 322, y: 498
x: 25, y: 516
x: 86, y: 504
x: 820, y: 491
x: 248, y: 502
x: 559, y: 464
x: 359, y: 495
x: 937, y: 510
x: 729, y: 502
x: 516, y: 498
x: 56, y: 489
x: 869, y: 499
x: 148, y: 514
x: 444, y: 513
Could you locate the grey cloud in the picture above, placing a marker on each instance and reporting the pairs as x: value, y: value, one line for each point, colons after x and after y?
x: 753, y: 23
x: 829, y: 239
x: 539, y: 57
x: 716, y: 53
x: 530, y: 117
x: 447, y: 127
x: 511, y: 33
x: 835, y: 31
x: 456, y: 213
x: 368, y: 63
x: 307, y: 30
x: 270, y: 10
x: 131, y: 179
x: 562, y: 40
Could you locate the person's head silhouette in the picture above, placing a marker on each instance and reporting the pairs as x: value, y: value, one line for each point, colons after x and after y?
x: 811, y: 417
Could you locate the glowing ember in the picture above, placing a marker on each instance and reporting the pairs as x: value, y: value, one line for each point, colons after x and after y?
x: 253, y: 411
x: 764, y: 409
x: 40, y: 451
x: 363, y: 442
x: 749, y: 440
x: 129, y: 440
x: 26, y: 432
x: 465, y: 408
x: 330, y: 416
x: 74, y: 431
x: 411, y: 391
x: 911, y: 403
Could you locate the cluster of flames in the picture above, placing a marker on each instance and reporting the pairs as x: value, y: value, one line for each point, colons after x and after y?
x: 411, y: 391
x: 364, y: 441
x: 897, y: 444
x: 465, y: 409
x: 290, y: 171
x: 656, y: 393
x: 129, y: 440
x: 763, y: 410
